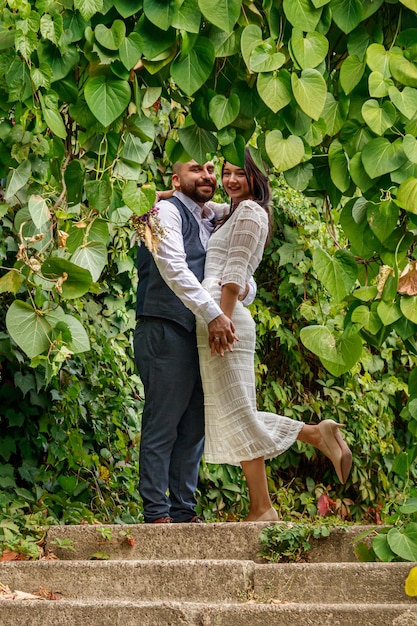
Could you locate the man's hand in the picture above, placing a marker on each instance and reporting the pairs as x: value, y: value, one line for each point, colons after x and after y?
x: 221, y: 335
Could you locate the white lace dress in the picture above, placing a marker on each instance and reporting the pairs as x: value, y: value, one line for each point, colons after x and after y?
x: 235, y: 430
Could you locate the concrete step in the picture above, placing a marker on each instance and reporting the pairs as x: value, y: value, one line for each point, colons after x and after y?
x: 188, y: 541
x: 119, y: 613
x: 211, y: 581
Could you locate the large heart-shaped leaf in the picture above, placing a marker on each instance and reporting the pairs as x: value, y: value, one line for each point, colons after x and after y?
x: 221, y: 13
x: 351, y: 73
x: 91, y: 256
x: 382, y: 218
x: 98, y: 194
x: 28, y: 329
x: 403, y: 541
x: 379, y: 117
x: 88, y: 8
x: 339, y: 165
x: 338, y: 273
x: 334, y: 114
x: 79, y: 341
x: 377, y: 59
x: 107, y: 98
x: 410, y: 148
x: 284, y: 153
x: 265, y: 58
x: 251, y: 37
x: 408, y: 306
x: 380, y: 156
x: 74, y: 180
x: 113, y: 37
x: 310, y: 92
x: 39, y: 211
x: 135, y: 150
x: 402, y: 69
x: 407, y: 195
x: 159, y: 12
x: 198, y: 143
x: 378, y: 85
x: 130, y: 50
x: 186, y: 17
x: 77, y: 280
x: 18, y: 179
x: 139, y: 199
x: 337, y: 355
x: 275, y: 89
x: 347, y: 14
x: 309, y: 51
x: 192, y: 71
x: 405, y: 100
x: 302, y: 14
x: 223, y: 111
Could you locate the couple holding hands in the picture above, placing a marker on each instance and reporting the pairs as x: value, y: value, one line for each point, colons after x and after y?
x: 195, y: 342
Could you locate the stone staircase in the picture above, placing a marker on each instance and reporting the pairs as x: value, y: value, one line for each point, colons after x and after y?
x: 201, y: 575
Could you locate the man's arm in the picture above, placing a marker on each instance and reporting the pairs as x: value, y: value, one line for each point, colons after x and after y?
x: 172, y: 265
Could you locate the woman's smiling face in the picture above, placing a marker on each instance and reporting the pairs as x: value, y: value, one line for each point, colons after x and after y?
x: 235, y: 183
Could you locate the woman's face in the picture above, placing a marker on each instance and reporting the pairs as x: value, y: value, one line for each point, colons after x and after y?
x: 235, y: 183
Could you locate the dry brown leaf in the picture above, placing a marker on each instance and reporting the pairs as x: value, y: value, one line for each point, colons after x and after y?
x: 408, y: 280
x: 9, y: 555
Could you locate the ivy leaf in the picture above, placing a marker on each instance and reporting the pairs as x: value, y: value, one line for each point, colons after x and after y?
x: 338, y: 273
x: 310, y: 92
x: 187, y: 17
x: 11, y: 281
x: 130, y: 50
x: 382, y: 218
x: 381, y: 548
x: 339, y: 166
x: 402, y: 69
x: 74, y: 180
x: 192, y: 71
x: 221, y: 13
x: 98, y: 194
x: 159, y: 12
x: 284, y: 153
x: 377, y: 59
x: 135, y: 150
x: 107, y: 98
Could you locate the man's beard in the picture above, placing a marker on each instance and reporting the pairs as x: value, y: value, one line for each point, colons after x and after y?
x: 194, y: 191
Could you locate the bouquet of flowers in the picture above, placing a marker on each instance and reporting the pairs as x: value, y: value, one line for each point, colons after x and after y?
x: 148, y: 228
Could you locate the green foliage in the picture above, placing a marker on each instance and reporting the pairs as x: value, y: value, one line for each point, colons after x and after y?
x: 289, y: 542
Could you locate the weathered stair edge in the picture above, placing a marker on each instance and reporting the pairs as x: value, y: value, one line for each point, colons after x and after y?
x: 229, y: 540
x: 119, y: 613
x: 212, y: 581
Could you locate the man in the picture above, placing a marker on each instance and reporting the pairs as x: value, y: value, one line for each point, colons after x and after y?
x: 169, y: 296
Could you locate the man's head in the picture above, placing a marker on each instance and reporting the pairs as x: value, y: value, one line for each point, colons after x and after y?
x: 198, y: 182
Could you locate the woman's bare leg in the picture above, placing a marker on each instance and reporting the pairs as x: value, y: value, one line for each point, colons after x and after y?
x: 259, y: 500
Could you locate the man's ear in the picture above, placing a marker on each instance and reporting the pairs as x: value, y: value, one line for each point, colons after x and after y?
x: 176, y: 182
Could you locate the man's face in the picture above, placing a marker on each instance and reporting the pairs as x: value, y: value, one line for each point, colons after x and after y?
x: 198, y: 182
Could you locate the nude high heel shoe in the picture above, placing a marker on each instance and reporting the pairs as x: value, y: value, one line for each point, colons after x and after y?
x: 269, y: 516
x: 335, y: 448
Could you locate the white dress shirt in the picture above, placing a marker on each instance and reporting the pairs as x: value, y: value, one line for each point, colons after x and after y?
x: 171, y: 258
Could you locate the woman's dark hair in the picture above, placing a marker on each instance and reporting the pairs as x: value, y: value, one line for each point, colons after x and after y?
x: 259, y: 187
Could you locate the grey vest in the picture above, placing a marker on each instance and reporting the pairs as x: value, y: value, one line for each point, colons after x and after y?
x: 154, y: 297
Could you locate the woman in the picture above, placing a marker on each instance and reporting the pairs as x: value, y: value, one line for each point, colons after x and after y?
x: 236, y: 432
